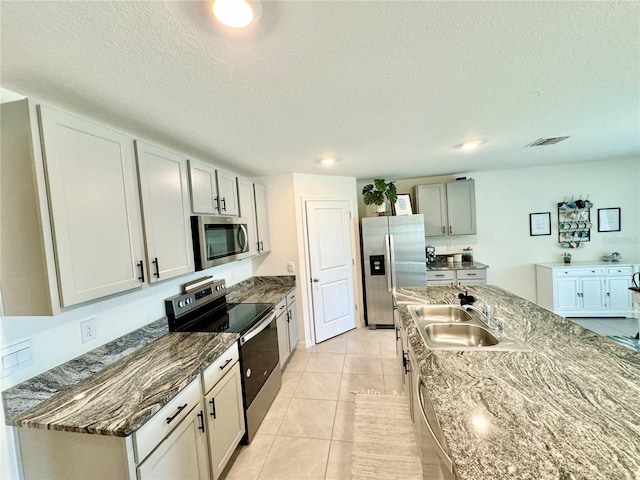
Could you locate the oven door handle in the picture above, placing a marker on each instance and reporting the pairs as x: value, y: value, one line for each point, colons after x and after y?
x: 256, y: 329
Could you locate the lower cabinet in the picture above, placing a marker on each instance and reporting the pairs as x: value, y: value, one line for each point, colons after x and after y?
x: 191, y: 437
x: 585, y: 290
x: 449, y: 278
x: 287, y: 324
x: 183, y: 454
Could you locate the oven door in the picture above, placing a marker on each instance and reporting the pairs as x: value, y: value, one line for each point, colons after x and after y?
x: 259, y: 353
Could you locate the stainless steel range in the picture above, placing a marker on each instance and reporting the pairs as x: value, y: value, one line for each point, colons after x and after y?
x: 205, y: 309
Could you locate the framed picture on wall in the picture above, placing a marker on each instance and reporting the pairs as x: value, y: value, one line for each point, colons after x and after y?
x: 539, y: 224
x: 403, y: 205
x: 609, y: 219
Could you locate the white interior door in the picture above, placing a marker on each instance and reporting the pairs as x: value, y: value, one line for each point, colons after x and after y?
x: 329, y: 235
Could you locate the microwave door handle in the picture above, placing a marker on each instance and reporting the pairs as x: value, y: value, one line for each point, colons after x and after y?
x: 256, y: 329
x: 242, y: 238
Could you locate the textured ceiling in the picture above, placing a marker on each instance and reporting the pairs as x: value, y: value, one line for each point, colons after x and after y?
x: 389, y: 88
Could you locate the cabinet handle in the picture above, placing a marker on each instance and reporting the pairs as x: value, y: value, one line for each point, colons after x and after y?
x: 405, y: 363
x: 450, y: 230
x: 439, y: 275
x: 201, y: 426
x: 170, y: 419
x: 443, y: 229
x: 261, y: 246
x: 140, y: 264
x: 471, y: 274
x: 608, y: 294
x: 157, y: 273
x: 222, y: 367
x: 224, y: 204
x: 212, y: 402
x: 397, y: 331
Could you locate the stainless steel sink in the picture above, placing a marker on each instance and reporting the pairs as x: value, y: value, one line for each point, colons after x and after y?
x: 460, y: 334
x: 441, y: 313
x: 450, y: 327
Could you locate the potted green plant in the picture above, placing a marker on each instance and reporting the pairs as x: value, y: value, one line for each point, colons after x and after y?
x: 567, y: 257
x: 377, y: 192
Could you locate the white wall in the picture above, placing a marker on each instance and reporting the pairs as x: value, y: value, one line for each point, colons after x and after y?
x: 287, y: 194
x: 505, y: 198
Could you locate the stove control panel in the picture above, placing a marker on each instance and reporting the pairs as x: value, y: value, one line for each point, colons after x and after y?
x: 185, y: 302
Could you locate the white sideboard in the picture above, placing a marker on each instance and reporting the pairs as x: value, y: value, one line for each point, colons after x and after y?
x: 586, y: 289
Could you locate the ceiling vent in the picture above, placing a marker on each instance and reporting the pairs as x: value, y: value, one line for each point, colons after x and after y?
x: 546, y: 141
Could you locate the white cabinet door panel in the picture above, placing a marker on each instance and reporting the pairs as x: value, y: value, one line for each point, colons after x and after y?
x: 165, y: 206
x: 247, y: 210
x: 227, y: 193
x: 461, y: 207
x: 593, y: 293
x: 204, y: 190
x: 567, y: 293
x: 618, y: 293
x: 431, y: 203
x: 93, y: 194
x: 262, y: 218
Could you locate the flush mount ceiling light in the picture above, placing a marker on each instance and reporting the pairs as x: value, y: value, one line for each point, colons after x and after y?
x: 328, y: 161
x: 470, y: 145
x: 236, y: 13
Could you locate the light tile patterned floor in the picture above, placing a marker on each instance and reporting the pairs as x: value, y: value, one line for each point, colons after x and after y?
x: 609, y: 326
x: 307, y: 433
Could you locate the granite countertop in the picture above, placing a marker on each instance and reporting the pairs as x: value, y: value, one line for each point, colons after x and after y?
x: 569, y: 409
x: 114, y: 389
x: 456, y: 266
x: 261, y: 289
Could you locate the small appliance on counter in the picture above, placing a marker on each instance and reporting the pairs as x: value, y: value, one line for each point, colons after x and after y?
x: 431, y: 254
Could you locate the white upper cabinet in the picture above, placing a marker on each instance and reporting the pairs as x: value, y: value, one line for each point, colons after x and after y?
x: 227, y: 193
x: 213, y: 192
x: 448, y: 208
x: 204, y: 189
x: 247, y: 210
x: 95, y: 209
x: 165, y: 209
x: 262, y: 218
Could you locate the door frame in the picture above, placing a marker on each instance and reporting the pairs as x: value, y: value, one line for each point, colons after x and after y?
x: 309, y: 324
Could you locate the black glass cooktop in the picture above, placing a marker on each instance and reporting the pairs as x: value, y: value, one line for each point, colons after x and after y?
x: 229, y: 317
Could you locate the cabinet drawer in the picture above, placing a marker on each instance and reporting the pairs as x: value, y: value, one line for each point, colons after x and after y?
x: 214, y: 372
x: 478, y: 273
x: 627, y: 271
x: 160, y: 425
x: 441, y: 275
x: 580, y: 272
x: 291, y: 297
x: 281, y: 306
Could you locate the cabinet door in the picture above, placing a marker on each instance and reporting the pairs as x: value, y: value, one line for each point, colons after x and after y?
x: 431, y: 202
x: 283, y: 338
x: 566, y: 294
x: 262, y: 218
x: 204, y: 190
x: 292, y: 320
x: 618, y: 293
x: 592, y: 293
x: 182, y: 454
x: 227, y: 193
x: 247, y: 210
x: 165, y: 210
x: 95, y: 207
x: 461, y: 207
x: 226, y: 419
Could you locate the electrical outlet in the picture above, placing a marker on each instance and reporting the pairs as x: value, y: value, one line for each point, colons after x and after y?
x: 89, y: 330
x: 290, y: 267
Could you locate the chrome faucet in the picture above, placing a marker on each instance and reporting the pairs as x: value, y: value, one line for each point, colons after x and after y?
x: 485, y: 315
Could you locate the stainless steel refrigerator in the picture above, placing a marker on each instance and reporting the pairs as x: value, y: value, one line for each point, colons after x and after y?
x: 393, y: 255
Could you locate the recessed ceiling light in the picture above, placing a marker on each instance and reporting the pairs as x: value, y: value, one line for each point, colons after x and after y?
x: 235, y: 13
x: 471, y: 145
x: 328, y: 161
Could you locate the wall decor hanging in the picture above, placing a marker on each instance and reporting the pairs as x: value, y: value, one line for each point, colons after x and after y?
x: 609, y: 219
x: 574, y: 222
x: 539, y: 224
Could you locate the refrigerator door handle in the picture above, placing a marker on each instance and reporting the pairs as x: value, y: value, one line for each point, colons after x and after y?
x: 387, y: 260
x: 392, y: 262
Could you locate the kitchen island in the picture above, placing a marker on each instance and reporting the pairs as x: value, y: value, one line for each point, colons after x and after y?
x: 570, y: 408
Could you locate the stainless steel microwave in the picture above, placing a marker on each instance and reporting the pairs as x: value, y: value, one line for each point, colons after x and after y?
x: 218, y: 240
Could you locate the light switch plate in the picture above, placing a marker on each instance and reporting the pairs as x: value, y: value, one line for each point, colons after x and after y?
x: 16, y: 357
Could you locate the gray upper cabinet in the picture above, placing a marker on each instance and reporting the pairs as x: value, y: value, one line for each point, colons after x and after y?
x: 213, y: 192
x: 448, y: 208
x: 247, y: 209
x: 262, y: 218
x: 165, y: 209
x: 227, y: 193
